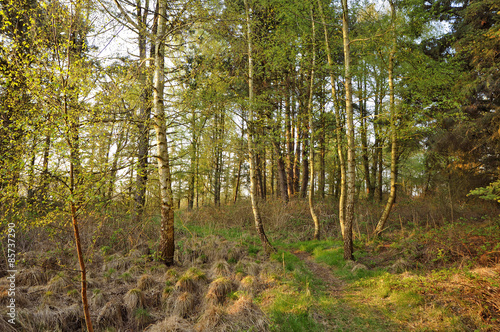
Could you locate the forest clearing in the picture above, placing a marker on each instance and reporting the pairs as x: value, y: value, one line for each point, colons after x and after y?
x: 249, y: 165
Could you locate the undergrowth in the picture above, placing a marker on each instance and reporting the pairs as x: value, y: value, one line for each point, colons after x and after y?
x: 421, y: 274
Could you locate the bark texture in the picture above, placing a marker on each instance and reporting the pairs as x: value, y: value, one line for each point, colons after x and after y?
x: 166, y: 246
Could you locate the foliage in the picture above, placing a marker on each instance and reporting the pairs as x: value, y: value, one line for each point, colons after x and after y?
x: 491, y: 192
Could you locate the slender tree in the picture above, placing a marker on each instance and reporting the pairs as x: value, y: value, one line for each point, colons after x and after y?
x: 394, y: 144
x: 338, y: 122
x: 167, y: 246
x: 317, y: 229
x: 251, y: 144
x: 351, y: 157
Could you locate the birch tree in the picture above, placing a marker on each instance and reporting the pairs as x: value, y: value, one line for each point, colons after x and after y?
x: 351, y: 156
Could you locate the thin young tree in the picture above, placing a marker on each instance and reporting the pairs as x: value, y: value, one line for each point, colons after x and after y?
x: 351, y: 156
x: 311, y: 134
x: 251, y: 144
x: 394, y: 142
x: 338, y: 121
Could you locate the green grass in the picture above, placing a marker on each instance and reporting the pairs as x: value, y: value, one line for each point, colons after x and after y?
x: 374, y: 299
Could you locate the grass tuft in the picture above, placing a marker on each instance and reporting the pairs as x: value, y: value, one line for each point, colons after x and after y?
x: 218, y: 290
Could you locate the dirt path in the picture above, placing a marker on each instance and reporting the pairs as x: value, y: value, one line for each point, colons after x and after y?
x: 334, y: 285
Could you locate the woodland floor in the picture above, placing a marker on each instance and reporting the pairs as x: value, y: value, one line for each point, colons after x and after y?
x: 438, y: 277
x: 334, y: 285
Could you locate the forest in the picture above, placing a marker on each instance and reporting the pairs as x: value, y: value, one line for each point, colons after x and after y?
x: 249, y: 165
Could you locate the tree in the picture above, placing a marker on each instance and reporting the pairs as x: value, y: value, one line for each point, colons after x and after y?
x: 317, y: 229
x: 351, y: 157
x: 167, y: 246
x: 250, y: 136
x: 394, y: 138
x: 338, y: 121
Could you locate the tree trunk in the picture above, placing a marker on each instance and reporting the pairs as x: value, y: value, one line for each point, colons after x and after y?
x: 305, y: 166
x: 289, y: 142
x: 238, y: 180
x: 75, y: 201
x: 363, y: 132
x: 394, y: 146
x: 338, y: 130
x: 251, y: 145
x: 376, y: 144
x: 351, y: 157
x: 322, y: 148
x: 143, y: 116
x: 45, y: 172
x: 217, y: 141
x: 296, y: 161
x: 283, y: 187
x: 166, y: 246
x: 240, y: 163
x: 317, y: 229
x: 192, y: 170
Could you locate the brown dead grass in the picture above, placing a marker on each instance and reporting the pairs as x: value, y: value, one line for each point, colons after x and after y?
x: 60, y: 284
x: 111, y: 315
x: 171, y: 324
x: 133, y: 300
x: 244, y: 315
x: 220, y: 268
x: 186, y: 283
x: 116, y: 262
x: 146, y: 282
x: 68, y: 319
x: 183, y: 304
x: 214, y: 318
x: 97, y: 299
x: 249, y: 284
x: 34, y: 276
x: 218, y: 290
x: 6, y: 326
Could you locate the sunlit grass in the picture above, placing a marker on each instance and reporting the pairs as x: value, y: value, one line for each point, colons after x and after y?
x: 377, y: 298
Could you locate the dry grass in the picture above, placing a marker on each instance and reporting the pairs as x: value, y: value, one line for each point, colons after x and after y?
x: 197, y: 274
x: 111, y: 315
x: 6, y: 326
x: 52, y: 319
x: 186, y: 283
x: 220, y: 268
x: 139, y: 250
x: 249, y: 284
x: 97, y: 299
x: 133, y: 300
x: 28, y: 258
x: 182, y: 305
x: 191, y: 281
x: 171, y: 324
x: 213, y: 319
x: 135, y: 270
x: 239, y: 276
x: 167, y: 291
x: 141, y: 318
x: 253, y: 269
x: 116, y: 262
x: 245, y: 315
x: 269, y: 271
x: 170, y: 275
x: 146, y: 282
x: 31, y: 277
x: 60, y: 284
x: 218, y: 290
